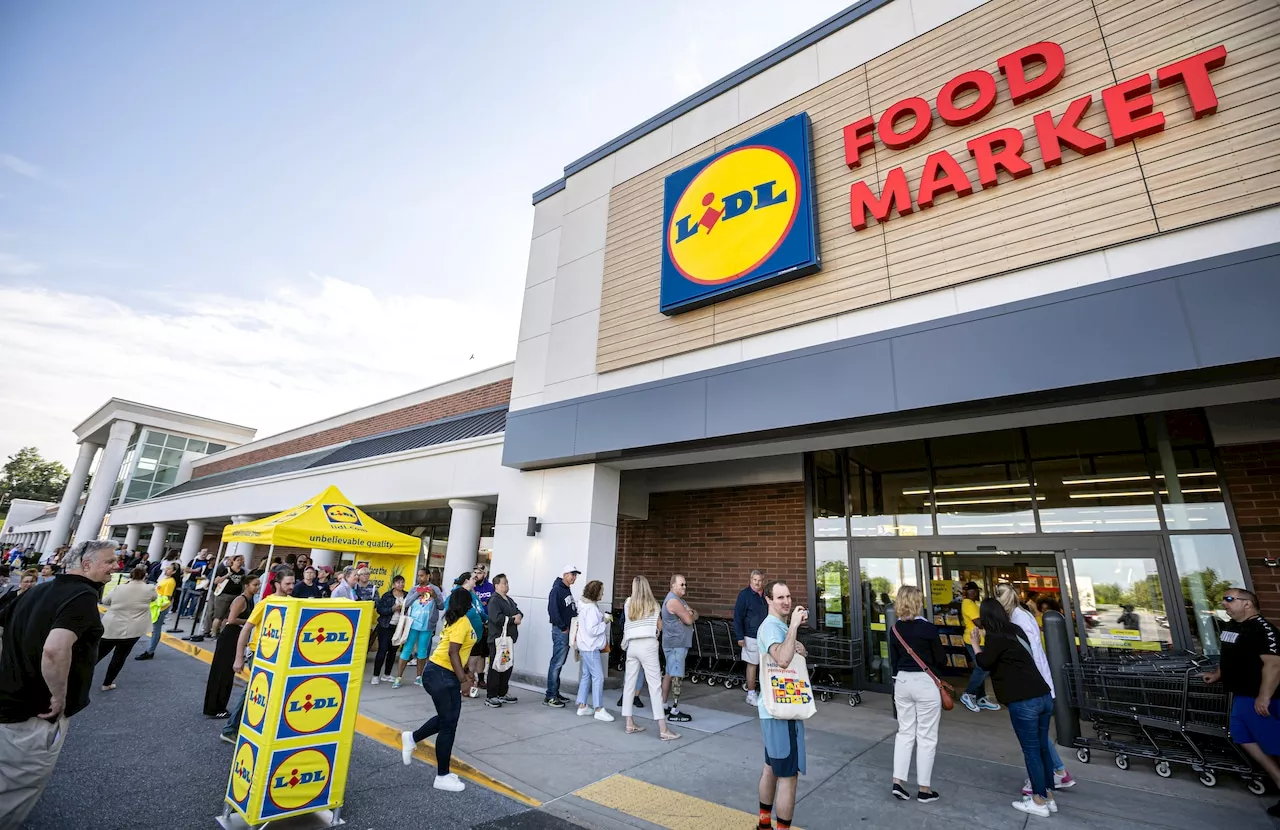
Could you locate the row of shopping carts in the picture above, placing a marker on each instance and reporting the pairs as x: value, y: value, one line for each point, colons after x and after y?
x: 1158, y: 708
x: 716, y: 658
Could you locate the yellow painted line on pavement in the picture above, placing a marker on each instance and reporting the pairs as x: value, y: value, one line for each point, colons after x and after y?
x: 384, y: 734
x: 663, y: 807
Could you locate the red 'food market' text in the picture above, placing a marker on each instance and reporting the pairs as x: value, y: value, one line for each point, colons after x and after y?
x: 1129, y: 106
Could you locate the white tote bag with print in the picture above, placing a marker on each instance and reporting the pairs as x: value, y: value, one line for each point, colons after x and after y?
x: 788, y: 694
x: 504, y: 652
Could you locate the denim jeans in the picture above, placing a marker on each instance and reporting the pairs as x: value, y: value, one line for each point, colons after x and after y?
x: 189, y: 601
x: 446, y: 694
x: 977, y: 683
x: 1030, y: 720
x: 232, y: 726
x: 157, y: 628
x: 592, y: 679
x: 559, y: 653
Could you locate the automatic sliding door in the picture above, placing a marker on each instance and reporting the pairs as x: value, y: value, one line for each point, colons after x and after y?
x: 880, y: 577
x: 1119, y: 600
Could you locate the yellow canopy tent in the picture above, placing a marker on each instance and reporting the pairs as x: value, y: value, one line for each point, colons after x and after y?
x: 331, y: 522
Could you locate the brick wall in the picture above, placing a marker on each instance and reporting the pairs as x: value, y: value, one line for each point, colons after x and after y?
x: 1253, y: 479
x: 715, y: 537
x: 481, y: 397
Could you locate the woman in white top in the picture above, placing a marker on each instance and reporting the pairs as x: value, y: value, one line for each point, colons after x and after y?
x: 640, y: 641
x: 346, y: 587
x: 593, y: 635
x: 1024, y: 619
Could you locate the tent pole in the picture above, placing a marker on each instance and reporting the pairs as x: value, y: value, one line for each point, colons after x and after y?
x: 262, y: 589
x: 208, y: 591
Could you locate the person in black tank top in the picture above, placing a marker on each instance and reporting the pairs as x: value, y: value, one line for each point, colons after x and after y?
x: 222, y: 676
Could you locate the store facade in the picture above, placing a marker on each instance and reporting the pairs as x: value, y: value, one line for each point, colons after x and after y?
x: 934, y: 292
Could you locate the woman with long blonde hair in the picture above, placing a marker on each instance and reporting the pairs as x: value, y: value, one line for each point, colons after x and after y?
x: 915, y: 694
x: 640, y: 642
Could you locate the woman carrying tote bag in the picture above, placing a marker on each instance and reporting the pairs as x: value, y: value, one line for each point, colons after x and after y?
x: 914, y: 652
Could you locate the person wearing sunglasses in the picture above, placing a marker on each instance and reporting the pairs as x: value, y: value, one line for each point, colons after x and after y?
x: 1249, y: 668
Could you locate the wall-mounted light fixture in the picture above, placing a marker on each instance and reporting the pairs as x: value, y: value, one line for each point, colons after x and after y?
x: 534, y: 526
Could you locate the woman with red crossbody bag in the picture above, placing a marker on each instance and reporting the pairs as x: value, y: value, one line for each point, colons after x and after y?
x: 918, y: 694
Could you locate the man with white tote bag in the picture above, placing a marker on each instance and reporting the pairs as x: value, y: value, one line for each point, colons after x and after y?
x: 786, y: 700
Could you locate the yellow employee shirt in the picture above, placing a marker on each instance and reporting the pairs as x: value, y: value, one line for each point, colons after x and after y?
x: 255, y: 618
x: 462, y: 633
x: 165, y: 587
x: 969, y: 610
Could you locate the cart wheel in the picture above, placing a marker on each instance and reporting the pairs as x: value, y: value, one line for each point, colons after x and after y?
x: 694, y: 679
x: 1122, y: 761
x: 824, y: 696
x: 728, y: 684
x: 1208, y: 778
x: 855, y: 699
x: 742, y: 684
x: 1257, y: 786
x: 1082, y: 755
x: 1163, y: 769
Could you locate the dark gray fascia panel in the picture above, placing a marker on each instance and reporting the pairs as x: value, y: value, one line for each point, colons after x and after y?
x: 1209, y: 313
x: 797, y: 44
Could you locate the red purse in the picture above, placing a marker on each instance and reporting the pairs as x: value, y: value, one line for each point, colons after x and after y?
x: 944, y: 688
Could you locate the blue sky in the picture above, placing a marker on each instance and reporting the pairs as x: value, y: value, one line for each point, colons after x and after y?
x: 273, y: 212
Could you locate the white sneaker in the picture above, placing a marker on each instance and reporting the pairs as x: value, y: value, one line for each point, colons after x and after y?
x: 1028, y: 805
x: 475, y: 692
x: 602, y: 715
x: 1052, y: 804
x: 753, y: 699
x: 386, y: 678
x: 450, y: 782
x: 374, y: 681
x: 407, y: 745
x: 583, y: 711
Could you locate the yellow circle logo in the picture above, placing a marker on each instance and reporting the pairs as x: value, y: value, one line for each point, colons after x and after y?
x: 325, y: 638
x: 272, y: 630
x: 313, y: 705
x: 255, y: 700
x: 242, y: 772
x: 734, y: 214
x: 299, y: 779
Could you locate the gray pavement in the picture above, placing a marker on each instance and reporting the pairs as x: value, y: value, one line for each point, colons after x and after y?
x: 143, y: 756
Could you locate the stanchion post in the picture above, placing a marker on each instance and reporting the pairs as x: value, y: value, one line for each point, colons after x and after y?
x: 1057, y: 647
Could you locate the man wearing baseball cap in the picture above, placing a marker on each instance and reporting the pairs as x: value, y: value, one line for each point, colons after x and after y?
x: 974, y: 697
x: 561, y: 609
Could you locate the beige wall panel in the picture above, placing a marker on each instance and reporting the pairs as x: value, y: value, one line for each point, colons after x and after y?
x: 1193, y: 171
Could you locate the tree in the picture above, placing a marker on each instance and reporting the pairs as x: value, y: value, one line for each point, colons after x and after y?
x: 27, y: 475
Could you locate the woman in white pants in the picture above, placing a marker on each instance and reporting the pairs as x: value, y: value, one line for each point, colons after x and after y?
x: 915, y: 694
x: 640, y: 641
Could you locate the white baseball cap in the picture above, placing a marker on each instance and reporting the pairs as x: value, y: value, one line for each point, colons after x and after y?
x: 571, y: 569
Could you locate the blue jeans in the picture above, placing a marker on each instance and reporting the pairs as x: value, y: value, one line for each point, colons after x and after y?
x: 1030, y: 720
x: 978, y: 680
x: 592, y: 679
x: 446, y: 694
x: 187, y: 605
x: 559, y: 653
x: 157, y: 628
x: 232, y: 727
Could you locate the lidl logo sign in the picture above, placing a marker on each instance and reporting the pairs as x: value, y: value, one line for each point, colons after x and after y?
x: 325, y: 638
x: 242, y: 774
x: 255, y: 699
x: 312, y: 705
x: 740, y: 220
x: 272, y: 630
x: 342, y: 514
x: 299, y: 779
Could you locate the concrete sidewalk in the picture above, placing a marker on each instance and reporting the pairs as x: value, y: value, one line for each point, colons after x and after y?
x: 597, y: 775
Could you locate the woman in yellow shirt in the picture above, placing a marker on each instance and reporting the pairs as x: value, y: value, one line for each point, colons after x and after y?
x: 446, y: 678
x: 164, y: 596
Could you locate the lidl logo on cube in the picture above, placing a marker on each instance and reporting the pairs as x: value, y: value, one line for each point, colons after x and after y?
x: 242, y: 773
x: 255, y: 699
x: 312, y: 705
x: 269, y: 639
x: 324, y: 637
x: 740, y: 220
x: 300, y: 779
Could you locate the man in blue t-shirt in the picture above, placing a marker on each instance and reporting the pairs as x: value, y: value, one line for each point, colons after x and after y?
x: 783, y: 739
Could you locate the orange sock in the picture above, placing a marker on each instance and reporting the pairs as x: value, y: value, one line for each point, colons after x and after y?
x: 766, y: 816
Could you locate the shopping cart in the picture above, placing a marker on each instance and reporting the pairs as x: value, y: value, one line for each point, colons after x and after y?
x: 716, y: 657
x: 829, y: 658
x: 1160, y: 709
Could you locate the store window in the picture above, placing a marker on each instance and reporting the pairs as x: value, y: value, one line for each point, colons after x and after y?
x: 982, y: 484
x: 889, y: 490
x: 831, y: 611
x: 1189, y: 488
x: 828, y: 497
x: 1208, y: 566
x: 1122, y: 604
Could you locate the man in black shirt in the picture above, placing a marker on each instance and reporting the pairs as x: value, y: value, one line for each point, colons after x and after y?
x: 50, y: 648
x: 1250, y: 670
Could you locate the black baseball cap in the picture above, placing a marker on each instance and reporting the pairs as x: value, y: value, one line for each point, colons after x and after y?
x: 971, y: 586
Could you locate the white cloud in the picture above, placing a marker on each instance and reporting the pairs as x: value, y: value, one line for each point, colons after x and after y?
x: 16, y: 266
x: 22, y: 168
x: 298, y: 355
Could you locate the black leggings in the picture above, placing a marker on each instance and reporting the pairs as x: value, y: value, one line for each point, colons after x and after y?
x: 120, y: 652
x: 385, y: 659
x: 446, y: 693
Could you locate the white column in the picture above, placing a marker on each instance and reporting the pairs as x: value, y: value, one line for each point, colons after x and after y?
x: 131, y: 536
x: 155, y: 550
x: 242, y: 548
x: 320, y: 556
x: 104, y: 481
x: 464, y: 537
x: 71, y: 497
x: 42, y: 540
x: 191, y: 542
x: 578, y: 510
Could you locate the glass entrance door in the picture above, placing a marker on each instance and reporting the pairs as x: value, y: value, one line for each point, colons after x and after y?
x: 879, y: 578
x: 1120, y: 599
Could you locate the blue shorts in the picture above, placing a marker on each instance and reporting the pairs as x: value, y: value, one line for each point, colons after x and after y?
x: 675, y: 661
x: 1248, y: 727
x: 783, y: 746
x: 419, y: 641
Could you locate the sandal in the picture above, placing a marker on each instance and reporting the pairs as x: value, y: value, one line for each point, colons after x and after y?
x: 631, y: 730
x: 669, y: 736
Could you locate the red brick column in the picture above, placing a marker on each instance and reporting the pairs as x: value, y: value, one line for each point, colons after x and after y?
x: 1252, y: 472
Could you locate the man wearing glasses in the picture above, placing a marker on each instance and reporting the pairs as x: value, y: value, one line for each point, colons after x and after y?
x: 1249, y: 668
